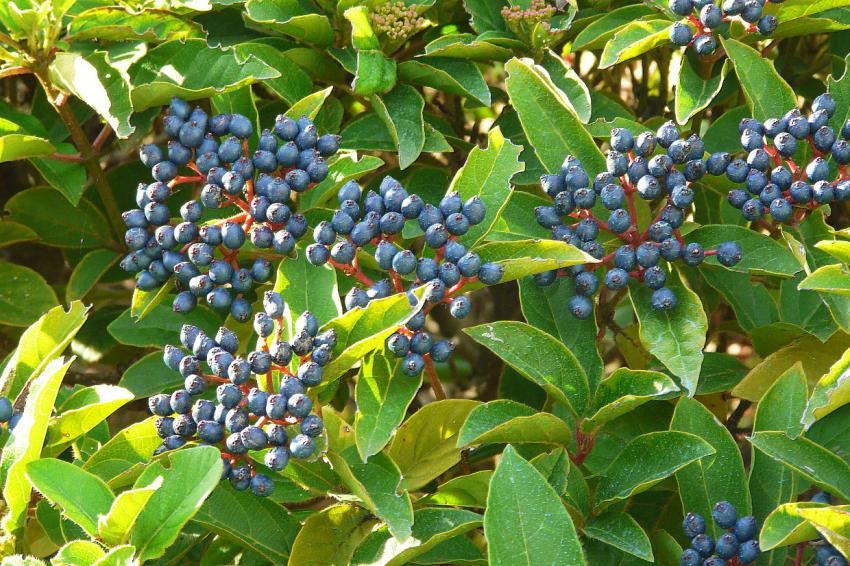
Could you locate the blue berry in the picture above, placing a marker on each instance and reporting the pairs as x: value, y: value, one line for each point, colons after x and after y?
x: 580, y: 306
x: 748, y: 551
x: 663, y: 299
x: 724, y: 514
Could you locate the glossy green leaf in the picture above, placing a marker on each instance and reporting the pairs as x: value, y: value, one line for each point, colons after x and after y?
x: 346, y: 168
x: 547, y: 118
x: 832, y: 278
x: 633, y: 39
x: 192, y: 70
x: 721, y: 478
x: 149, y: 376
x: 786, y: 526
x: 462, y: 491
x: 56, y: 221
x: 290, y: 17
x: 646, y: 460
x: 118, y: 24
x: 599, y: 31
x: 544, y: 308
x: 525, y: 521
x: 430, y: 528
x: 81, y: 495
x: 94, y: 81
x: 24, y: 443
x: 621, y: 531
x: 521, y: 258
x: 753, y: 304
x: 24, y: 295
x: 675, y: 337
x: 369, y: 133
x: 570, y: 83
x: 810, y: 460
x: 330, y: 535
x: 15, y: 233
x: 401, y: 111
x: 383, y: 394
x: 114, y: 525
x: 40, y: 344
x: 832, y: 523
x: 456, y: 76
x: 88, y: 272
x: 538, y: 357
x: 144, y: 302
x: 78, y: 552
x: 19, y: 142
x: 191, y: 477
x: 374, y: 72
x: 127, y: 451
x: 117, y: 556
x: 506, y: 421
x: 694, y: 93
x: 760, y: 254
x: 161, y: 326
x: 422, y: 450
x: 81, y: 412
x: 67, y: 177
x: 839, y: 249
x: 767, y: 93
x: 625, y: 390
x: 466, y: 46
x: 830, y: 392
x: 254, y: 522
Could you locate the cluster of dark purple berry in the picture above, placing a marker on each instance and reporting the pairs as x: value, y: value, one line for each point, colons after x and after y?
x: 704, y: 17
x: 8, y: 415
x: 211, y: 155
x: 634, y: 168
x: 774, y: 184
x: 375, y: 226
x: 739, y: 545
x: 245, y: 417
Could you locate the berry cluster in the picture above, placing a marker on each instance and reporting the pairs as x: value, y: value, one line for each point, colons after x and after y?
x: 396, y: 20
x: 8, y: 414
x: 256, y: 187
x: 632, y: 169
x: 244, y: 417
x: 706, y: 16
x: 446, y: 265
x: 825, y: 553
x: 774, y: 184
x: 739, y: 545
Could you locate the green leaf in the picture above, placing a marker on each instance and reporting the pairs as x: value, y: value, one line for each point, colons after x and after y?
x: 307, y: 288
x: 81, y: 495
x: 810, y: 460
x: 485, y: 15
x: 97, y: 83
x: 753, y: 304
x: 422, y: 450
x: 330, y: 536
x: 625, y: 390
x: 544, y: 308
x: 377, y: 482
x: 570, y: 83
x: 839, y: 88
x: 88, y: 272
x: 771, y: 483
x: 17, y: 141
x: 129, y: 450
x: 621, y: 531
x: 250, y: 521
x: 815, y: 356
x: 346, y: 168
x: 369, y: 133
x: 40, y: 344
x: 786, y: 526
x: 295, y: 18
x: 78, y: 552
x: 293, y: 84
x: 839, y: 249
x: 831, y: 392
x: 800, y: 8
x: 382, y: 395
x: 832, y: 278
x: 521, y: 258
x: 599, y: 31
x: 15, y: 233
x: 144, y: 302
x: 760, y: 254
x: 463, y: 491
x: 538, y: 357
x: 309, y: 105
x: 401, y: 111
x: 703, y: 483
x: 675, y: 337
x: 190, y: 69
x: 191, y: 477
x: 548, y: 119
x: 633, y: 39
x: 487, y: 174
x: 24, y: 443
x: 81, y: 412
x: 114, y: 526
x: 374, y: 72
x: 467, y: 46
x: 456, y: 76
x: 149, y: 376
x: 767, y: 93
x: 66, y: 177
x: 646, y: 460
x: 56, y: 222
x: 161, y: 326
x: 430, y: 528
x: 117, y: 556
x: 119, y: 24
x: 694, y: 93
x: 363, y: 330
x: 24, y: 295
x: 832, y: 523
x: 506, y: 421
x: 525, y: 521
